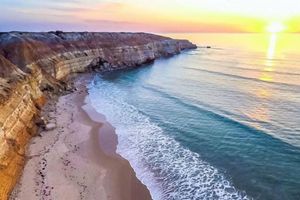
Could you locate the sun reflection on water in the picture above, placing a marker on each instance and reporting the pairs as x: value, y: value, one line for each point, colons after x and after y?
x: 261, y: 111
x: 272, y: 46
x: 269, y: 62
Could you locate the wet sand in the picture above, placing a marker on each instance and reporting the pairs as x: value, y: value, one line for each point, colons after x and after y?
x: 77, y: 159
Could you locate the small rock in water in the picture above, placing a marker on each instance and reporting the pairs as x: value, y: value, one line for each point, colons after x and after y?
x: 50, y: 126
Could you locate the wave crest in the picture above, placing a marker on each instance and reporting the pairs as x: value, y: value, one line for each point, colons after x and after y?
x: 169, y: 170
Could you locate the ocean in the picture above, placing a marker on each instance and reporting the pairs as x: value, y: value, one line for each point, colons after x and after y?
x: 211, y: 123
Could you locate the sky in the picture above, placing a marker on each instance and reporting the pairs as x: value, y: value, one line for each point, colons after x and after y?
x: 158, y: 16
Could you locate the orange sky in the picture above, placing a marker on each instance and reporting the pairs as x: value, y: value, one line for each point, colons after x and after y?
x: 152, y: 16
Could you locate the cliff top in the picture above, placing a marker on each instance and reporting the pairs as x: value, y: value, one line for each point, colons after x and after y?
x: 22, y: 52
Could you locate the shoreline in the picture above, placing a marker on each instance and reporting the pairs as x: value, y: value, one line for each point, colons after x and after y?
x: 77, y: 159
x: 36, y: 64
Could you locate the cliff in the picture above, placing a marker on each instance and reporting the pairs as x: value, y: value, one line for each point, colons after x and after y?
x: 32, y: 63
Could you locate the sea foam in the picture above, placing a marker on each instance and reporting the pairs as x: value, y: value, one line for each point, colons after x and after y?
x: 169, y: 170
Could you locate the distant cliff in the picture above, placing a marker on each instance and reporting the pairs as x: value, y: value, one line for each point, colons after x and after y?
x: 31, y: 63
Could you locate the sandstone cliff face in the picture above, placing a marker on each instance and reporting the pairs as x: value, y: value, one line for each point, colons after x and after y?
x: 33, y: 62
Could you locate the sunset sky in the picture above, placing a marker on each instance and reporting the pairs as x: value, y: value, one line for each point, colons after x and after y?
x: 150, y: 16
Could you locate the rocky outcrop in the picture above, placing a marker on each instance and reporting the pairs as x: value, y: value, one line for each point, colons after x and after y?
x: 31, y: 63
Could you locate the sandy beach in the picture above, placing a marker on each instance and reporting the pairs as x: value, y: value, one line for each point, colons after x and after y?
x: 77, y: 159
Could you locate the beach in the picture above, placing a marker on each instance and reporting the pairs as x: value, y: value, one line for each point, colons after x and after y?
x: 72, y: 141
x: 76, y: 158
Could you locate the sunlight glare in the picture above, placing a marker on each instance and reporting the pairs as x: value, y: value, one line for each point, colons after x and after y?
x: 276, y: 27
x: 272, y: 46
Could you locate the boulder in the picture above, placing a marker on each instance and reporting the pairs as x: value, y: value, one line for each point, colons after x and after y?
x: 50, y: 126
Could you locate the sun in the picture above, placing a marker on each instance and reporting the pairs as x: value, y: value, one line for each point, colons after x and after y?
x: 276, y: 27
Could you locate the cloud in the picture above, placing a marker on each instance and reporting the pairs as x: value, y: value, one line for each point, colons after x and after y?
x: 114, y: 25
x: 109, y: 22
x: 63, y: 1
x: 74, y: 9
x: 112, y: 5
x: 131, y: 15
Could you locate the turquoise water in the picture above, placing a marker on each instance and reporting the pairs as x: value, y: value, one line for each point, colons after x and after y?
x: 218, y: 123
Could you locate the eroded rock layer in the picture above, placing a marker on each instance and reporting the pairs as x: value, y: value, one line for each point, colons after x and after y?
x: 31, y: 63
